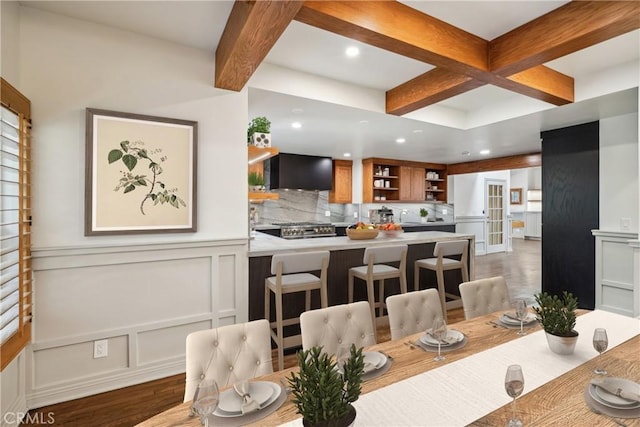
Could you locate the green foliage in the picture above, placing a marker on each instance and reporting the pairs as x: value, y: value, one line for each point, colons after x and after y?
x: 424, y: 212
x: 256, y: 178
x: 131, y: 153
x: 557, y: 315
x: 320, y: 391
x: 258, y: 125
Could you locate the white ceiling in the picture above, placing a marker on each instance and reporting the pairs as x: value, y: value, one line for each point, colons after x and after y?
x: 332, y: 130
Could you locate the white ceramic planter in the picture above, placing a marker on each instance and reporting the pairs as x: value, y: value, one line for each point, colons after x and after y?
x: 561, y: 345
x: 261, y: 140
x: 423, y: 219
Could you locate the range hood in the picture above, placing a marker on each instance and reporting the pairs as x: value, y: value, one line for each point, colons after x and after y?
x: 299, y: 172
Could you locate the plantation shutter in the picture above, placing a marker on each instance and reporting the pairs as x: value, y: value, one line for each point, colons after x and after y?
x: 15, y: 224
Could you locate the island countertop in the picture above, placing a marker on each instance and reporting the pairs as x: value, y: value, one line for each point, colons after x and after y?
x: 265, y: 244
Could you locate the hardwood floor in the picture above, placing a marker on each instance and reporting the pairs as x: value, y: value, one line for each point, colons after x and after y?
x: 131, y: 405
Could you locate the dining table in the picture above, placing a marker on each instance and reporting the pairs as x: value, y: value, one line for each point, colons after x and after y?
x: 467, y: 387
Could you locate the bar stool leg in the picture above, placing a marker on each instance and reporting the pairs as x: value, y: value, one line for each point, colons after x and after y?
x: 372, y: 305
x: 416, y: 278
x: 381, y: 298
x: 350, y: 287
x: 279, y: 332
x: 307, y: 300
x: 403, y: 282
x: 441, y: 291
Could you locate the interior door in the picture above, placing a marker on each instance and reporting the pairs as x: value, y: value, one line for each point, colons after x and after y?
x: 495, y: 211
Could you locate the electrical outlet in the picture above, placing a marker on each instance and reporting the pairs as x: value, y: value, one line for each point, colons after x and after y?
x: 327, y: 213
x: 625, y: 223
x: 355, y: 214
x: 100, y: 348
x: 444, y: 211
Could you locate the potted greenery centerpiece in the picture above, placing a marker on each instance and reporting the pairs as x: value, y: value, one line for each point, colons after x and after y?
x: 259, y: 132
x: 322, y: 393
x: 423, y: 215
x: 256, y: 181
x: 557, y: 316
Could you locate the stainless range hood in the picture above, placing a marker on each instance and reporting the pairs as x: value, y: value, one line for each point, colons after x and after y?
x: 299, y: 172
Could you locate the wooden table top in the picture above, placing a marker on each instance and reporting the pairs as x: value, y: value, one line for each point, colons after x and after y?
x: 547, y: 405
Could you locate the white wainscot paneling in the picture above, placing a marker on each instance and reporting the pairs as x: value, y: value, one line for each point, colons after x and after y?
x: 144, y: 300
x: 615, y: 273
x: 473, y: 225
x: 13, y: 401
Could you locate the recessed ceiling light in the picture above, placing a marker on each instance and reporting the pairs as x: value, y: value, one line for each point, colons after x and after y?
x: 417, y: 131
x: 297, y: 111
x: 363, y: 122
x: 400, y: 140
x: 296, y: 125
x: 466, y: 153
x: 347, y: 154
x: 485, y: 152
x: 352, y: 51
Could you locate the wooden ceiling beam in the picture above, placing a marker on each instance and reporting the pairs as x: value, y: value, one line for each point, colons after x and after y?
x: 498, y: 164
x: 252, y: 29
x: 427, y: 89
x: 398, y: 28
x: 567, y: 29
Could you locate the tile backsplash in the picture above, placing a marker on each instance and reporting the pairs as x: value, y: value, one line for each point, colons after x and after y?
x: 312, y: 206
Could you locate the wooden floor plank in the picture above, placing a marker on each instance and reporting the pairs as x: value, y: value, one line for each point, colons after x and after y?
x: 130, y: 405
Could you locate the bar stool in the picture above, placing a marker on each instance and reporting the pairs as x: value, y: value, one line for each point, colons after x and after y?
x: 376, y: 268
x: 442, y: 263
x: 292, y: 275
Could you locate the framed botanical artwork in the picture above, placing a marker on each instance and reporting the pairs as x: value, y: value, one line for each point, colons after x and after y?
x: 140, y: 174
x: 515, y: 196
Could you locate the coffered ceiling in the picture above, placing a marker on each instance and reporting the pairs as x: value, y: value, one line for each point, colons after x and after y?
x: 463, y: 75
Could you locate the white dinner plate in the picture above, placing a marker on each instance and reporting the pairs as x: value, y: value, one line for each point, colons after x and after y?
x: 262, y: 392
x: 609, y: 399
x: 453, y: 337
x: 373, y: 360
x: 507, y: 320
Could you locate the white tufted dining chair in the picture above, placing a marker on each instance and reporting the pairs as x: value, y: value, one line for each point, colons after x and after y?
x: 337, y: 325
x: 484, y: 296
x: 228, y: 354
x: 377, y: 260
x: 413, y: 312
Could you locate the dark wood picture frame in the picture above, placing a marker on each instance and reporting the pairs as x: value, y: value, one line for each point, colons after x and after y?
x: 515, y: 196
x: 140, y: 174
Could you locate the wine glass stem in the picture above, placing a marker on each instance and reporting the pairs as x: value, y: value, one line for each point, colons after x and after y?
x: 513, y: 407
x: 438, y: 349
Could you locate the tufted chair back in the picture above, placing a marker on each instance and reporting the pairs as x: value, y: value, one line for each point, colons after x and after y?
x: 228, y: 354
x: 483, y: 296
x: 413, y: 312
x: 337, y: 325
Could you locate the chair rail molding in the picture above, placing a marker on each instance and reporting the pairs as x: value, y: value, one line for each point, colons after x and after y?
x: 144, y: 299
x: 617, y: 272
x: 476, y: 225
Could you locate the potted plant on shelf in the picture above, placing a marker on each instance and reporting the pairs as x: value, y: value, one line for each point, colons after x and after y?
x: 259, y: 132
x: 557, y: 316
x: 322, y: 393
x: 256, y: 182
x: 424, y: 214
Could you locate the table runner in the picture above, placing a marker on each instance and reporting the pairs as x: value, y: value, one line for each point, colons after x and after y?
x: 460, y: 392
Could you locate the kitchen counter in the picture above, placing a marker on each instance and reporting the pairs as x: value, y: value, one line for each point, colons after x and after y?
x: 345, y: 254
x: 265, y: 244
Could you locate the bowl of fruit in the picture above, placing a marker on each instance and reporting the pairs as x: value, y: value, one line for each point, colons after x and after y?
x: 362, y: 231
x: 390, y: 229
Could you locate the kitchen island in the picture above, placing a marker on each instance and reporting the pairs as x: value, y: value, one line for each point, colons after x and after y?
x: 345, y: 253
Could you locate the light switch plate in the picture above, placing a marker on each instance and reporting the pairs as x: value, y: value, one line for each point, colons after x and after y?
x: 625, y: 223
x: 327, y: 213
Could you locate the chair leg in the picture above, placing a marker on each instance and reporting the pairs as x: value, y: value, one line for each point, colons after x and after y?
x: 279, y: 333
x: 441, y: 291
x: 350, y: 287
x: 416, y: 278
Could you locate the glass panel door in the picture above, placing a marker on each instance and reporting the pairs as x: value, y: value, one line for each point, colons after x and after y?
x: 495, y: 211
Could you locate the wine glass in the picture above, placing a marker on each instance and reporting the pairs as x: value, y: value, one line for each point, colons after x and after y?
x: 514, y: 385
x: 600, y: 343
x: 521, y: 313
x: 439, y: 333
x: 207, y: 400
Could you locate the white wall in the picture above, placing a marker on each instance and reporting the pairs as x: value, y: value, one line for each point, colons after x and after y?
x: 619, y: 173
x: 468, y: 198
x: 143, y: 293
